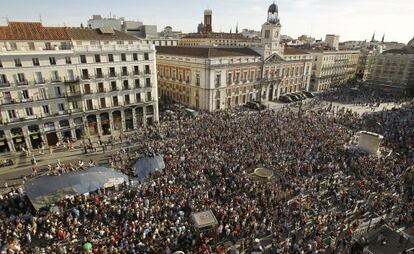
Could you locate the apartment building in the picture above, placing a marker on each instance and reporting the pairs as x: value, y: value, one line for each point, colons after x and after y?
x: 393, y: 69
x: 58, y: 83
x: 332, y: 67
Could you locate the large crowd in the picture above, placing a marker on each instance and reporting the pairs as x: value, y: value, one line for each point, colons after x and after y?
x: 318, y: 197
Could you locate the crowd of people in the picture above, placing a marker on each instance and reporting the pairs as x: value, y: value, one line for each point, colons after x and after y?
x: 364, y: 95
x: 318, y: 197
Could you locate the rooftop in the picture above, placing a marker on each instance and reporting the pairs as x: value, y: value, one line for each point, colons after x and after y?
x: 35, y: 31
x: 294, y: 51
x: 206, y: 52
x: 228, y: 36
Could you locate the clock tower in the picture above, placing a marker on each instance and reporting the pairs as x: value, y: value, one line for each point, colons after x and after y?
x: 271, y: 33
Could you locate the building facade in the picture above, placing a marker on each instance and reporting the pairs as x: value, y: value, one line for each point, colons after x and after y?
x: 392, y: 68
x: 332, y: 41
x: 62, y: 83
x: 332, y: 68
x: 214, y: 78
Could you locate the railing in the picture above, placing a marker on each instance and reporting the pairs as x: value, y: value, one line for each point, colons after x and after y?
x: 86, y: 76
x: 112, y: 75
x: 71, y: 79
x: 136, y: 73
x: 101, y: 90
x: 72, y: 94
x: 99, y: 76
x: 4, y: 84
x: 40, y: 81
x: 124, y: 74
x: 22, y: 82
x: 56, y: 79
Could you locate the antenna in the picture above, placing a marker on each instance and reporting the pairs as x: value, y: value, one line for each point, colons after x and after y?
x: 40, y: 18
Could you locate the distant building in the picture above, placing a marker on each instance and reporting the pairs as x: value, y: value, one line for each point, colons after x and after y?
x: 148, y: 34
x: 393, y: 69
x: 209, y: 38
x: 332, y: 68
x: 332, y: 41
x: 250, y: 33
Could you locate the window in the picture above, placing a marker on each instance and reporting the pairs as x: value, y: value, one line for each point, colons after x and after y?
x: 147, y: 69
x: 112, y: 72
x: 1, y: 64
x: 126, y: 85
x: 35, y: 61
x: 17, y: 62
x: 58, y: 91
x: 12, y: 113
x: 83, y: 59
x: 123, y: 57
x: 25, y: 94
x: 3, y: 79
x: 97, y: 58
x: 115, y: 100
x: 103, y: 102
x: 46, y: 109
x: 101, y: 88
x: 21, y: 78
x: 146, y: 56
x: 137, y: 83
x: 113, y: 86
x: 48, y: 46
x: 218, y: 80
x: 89, y: 104
x: 99, y: 73
x: 267, y: 34
x: 136, y: 70
x: 52, y: 60
x: 124, y: 71
x: 229, y: 78
x: 87, y: 88
x: 31, y: 45
x: 126, y: 99
x: 29, y: 111
x: 55, y: 76
x: 138, y: 97
x: 110, y: 58
x: 42, y: 93
x: 197, y: 79
x: 149, y: 96
x: 148, y: 82
x: 68, y: 60
x: 135, y: 56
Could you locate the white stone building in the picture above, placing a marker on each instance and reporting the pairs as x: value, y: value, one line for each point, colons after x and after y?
x: 58, y: 83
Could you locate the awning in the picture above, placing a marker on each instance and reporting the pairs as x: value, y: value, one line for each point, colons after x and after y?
x: 46, y: 190
x: 147, y: 165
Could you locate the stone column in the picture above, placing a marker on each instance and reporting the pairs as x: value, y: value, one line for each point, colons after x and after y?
x: 134, y: 119
x: 86, y: 127
x: 26, y: 137
x: 9, y: 140
x: 72, y: 129
x: 111, y: 122
x: 123, y: 121
x: 99, y: 125
x: 58, y: 131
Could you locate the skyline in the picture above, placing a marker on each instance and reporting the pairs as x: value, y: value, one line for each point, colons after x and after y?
x: 311, y: 17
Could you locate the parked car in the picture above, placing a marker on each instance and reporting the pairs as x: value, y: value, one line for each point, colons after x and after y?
x: 292, y: 97
x: 260, y: 105
x: 254, y: 105
x: 308, y: 94
x: 285, y: 99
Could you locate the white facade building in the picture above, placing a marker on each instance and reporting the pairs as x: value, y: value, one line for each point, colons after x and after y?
x: 62, y: 83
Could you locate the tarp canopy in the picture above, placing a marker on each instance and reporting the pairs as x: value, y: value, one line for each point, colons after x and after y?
x: 146, y: 165
x: 46, y: 190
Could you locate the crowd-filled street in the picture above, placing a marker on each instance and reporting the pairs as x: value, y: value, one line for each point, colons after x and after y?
x: 319, y: 196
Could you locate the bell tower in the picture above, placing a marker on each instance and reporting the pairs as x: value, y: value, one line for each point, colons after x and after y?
x: 271, y: 32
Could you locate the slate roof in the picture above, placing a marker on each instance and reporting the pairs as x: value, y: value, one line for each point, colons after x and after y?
x: 206, y: 52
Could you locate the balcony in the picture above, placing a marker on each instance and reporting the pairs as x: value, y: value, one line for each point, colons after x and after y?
x: 125, y: 74
x: 135, y: 73
x: 86, y: 77
x: 73, y: 94
x: 70, y: 80
x: 56, y: 79
x: 125, y: 88
x: 22, y: 82
x: 99, y: 76
x: 40, y: 81
x: 147, y: 72
x: 114, y: 89
x: 112, y: 75
x: 103, y: 90
x: 4, y: 84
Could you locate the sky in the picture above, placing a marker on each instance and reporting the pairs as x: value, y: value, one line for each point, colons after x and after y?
x: 351, y: 19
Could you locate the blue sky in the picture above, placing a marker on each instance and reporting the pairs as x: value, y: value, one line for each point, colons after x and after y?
x: 352, y: 19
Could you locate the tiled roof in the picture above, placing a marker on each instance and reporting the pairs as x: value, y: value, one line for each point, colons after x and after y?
x: 294, y: 51
x: 96, y: 35
x: 32, y: 31
x: 205, y: 52
x: 29, y: 31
